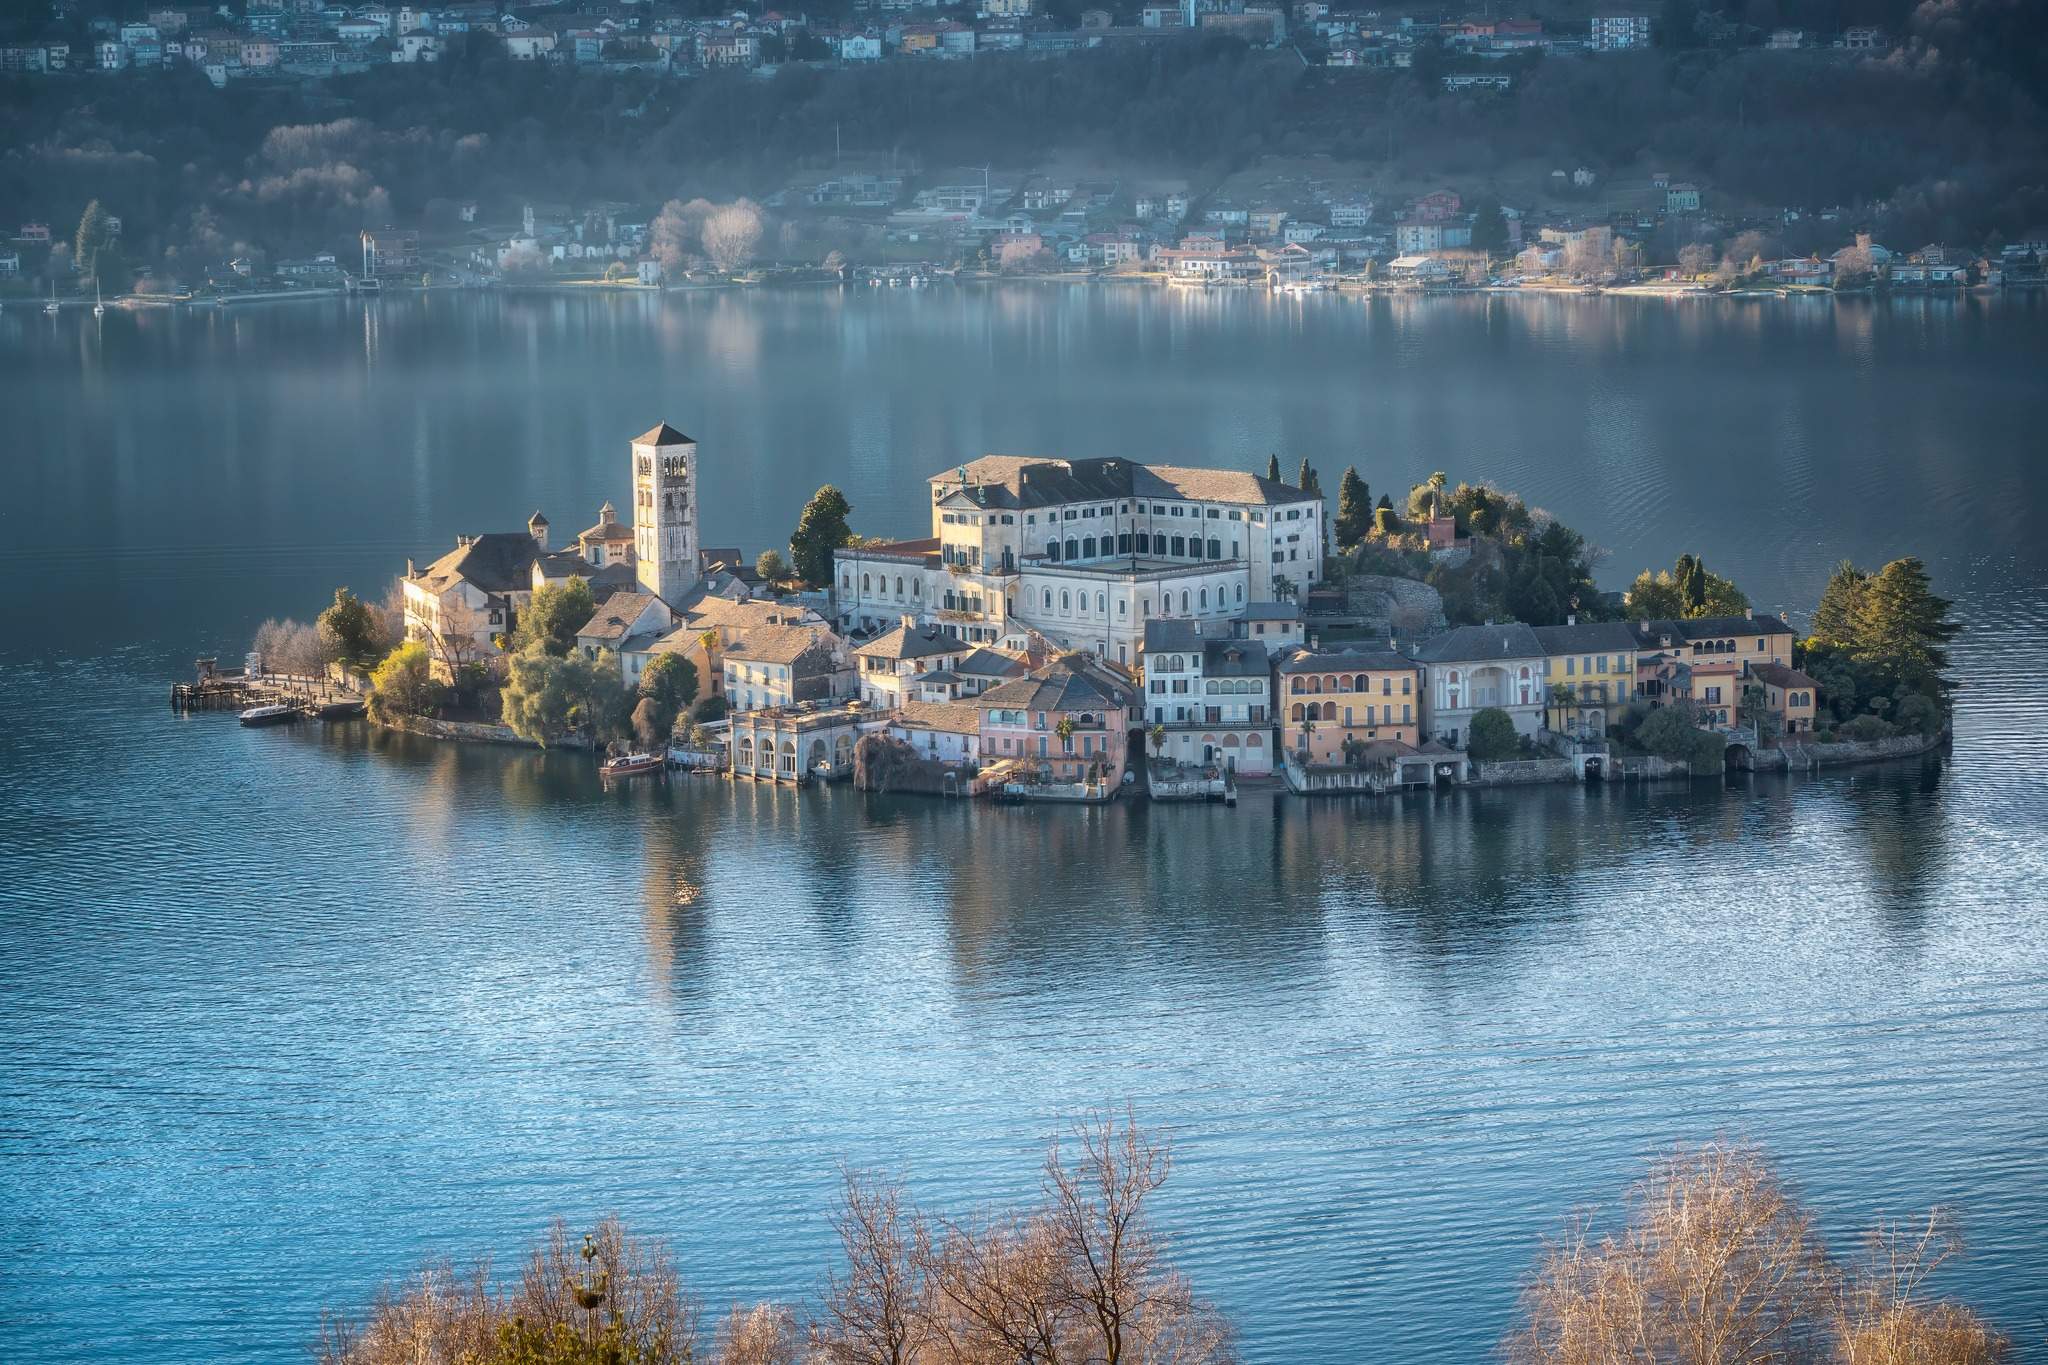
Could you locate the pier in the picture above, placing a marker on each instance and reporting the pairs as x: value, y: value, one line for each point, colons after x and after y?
x: 236, y: 689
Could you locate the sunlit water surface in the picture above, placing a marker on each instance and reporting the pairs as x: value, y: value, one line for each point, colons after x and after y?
x: 287, y: 1010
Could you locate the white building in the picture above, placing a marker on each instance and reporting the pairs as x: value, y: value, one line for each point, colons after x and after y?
x: 665, y: 513
x: 1475, y: 668
x: 1085, y: 552
x: 1212, y: 695
x: 1614, y: 32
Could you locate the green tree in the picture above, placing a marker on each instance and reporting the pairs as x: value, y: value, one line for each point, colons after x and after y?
x: 1273, y: 469
x: 1692, y: 584
x: 553, y: 616
x: 819, y: 531
x: 1308, y: 480
x: 1834, y: 620
x: 1670, y: 732
x: 771, y: 566
x: 1492, y: 737
x: 1902, y: 627
x: 667, y: 685
x: 95, y: 235
x: 709, y: 709
x: 349, y: 629
x: 403, y: 685
x: 1354, y: 510
x: 1489, y: 228
x: 549, y: 698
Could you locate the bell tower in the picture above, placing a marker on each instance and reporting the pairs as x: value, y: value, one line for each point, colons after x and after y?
x: 665, y: 513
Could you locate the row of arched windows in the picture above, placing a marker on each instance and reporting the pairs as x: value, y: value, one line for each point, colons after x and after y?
x: 1345, y: 682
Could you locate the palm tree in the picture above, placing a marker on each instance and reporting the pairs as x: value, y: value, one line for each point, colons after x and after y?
x: 1158, y: 737
x: 1563, y: 698
x: 1065, y: 730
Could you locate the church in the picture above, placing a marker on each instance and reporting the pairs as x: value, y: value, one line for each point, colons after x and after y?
x: 463, y: 603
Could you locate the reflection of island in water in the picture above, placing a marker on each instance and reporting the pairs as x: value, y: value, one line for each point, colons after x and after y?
x: 1069, y: 901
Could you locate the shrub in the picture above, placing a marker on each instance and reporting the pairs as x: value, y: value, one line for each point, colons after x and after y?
x: 1866, y: 728
x: 1493, y: 737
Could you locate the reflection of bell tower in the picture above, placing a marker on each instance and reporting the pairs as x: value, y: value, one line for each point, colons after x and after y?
x: 665, y: 513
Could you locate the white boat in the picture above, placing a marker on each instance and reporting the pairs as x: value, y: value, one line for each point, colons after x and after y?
x: 99, y: 309
x: 273, y: 714
x: 51, y: 306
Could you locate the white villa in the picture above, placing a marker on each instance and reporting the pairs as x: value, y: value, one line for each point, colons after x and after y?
x: 1476, y: 667
x: 1085, y: 552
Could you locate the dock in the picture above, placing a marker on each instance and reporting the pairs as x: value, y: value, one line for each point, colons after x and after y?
x: 235, y: 689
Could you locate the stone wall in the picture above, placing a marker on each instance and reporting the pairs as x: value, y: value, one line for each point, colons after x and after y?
x: 1523, y: 771
x: 1805, y: 755
x: 474, y: 732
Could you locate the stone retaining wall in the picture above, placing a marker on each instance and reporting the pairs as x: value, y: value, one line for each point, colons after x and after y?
x: 474, y: 732
x: 1525, y: 771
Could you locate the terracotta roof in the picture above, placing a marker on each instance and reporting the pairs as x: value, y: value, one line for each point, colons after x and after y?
x: 1346, y: 661
x: 1782, y: 675
x: 662, y: 434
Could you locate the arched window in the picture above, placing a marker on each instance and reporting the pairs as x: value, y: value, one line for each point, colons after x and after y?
x: 1048, y: 599
x: 1295, y: 687
x: 1052, y: 550
x: 1240, y: 594
x: 1180, y: 547
x: 1364, y: 683
x: 1215, y: 549
x: 1088, y: 547
x: 1315, y: 710
x: 1343, y: 684
x: 1205, y: 599
x: 864, y: 583
x: 1073, y: 548
x: 915, y: 589
x: 1183, y: 601
x: 1066, y: 602
x: 1101, y: 605
x: 1298, y: 712
x: 1144, y: 543
x: 846, y: 580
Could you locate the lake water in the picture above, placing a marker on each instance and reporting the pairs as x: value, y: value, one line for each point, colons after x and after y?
x: 287, y: 1010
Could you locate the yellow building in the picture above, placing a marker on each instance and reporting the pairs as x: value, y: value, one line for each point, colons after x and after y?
x: 1365, y: 696
x: 1708, y: 660
x: 1589, y: 674
x: 1788, y: 692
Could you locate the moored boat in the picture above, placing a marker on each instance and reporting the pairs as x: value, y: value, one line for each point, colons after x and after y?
x: 632, y: 765
x: 272, y: 714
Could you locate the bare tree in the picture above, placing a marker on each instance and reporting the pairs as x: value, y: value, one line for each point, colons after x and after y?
x: 1020, y: 253
x: 291, y: 647
x: 876, y: 1310
x: 1133, y: 1304
x: 1695, y: 259
x: 1717, y: 1265
x: 732, y: 234
x: 457, y: 635
x: 677, y: 232
x: 1881, y: 1320
x: 437, y: 1317
x: 999, y: 1291
x: 765, y: 1334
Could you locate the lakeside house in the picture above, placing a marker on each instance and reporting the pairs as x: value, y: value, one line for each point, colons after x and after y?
x: 1335, y: 700
x: 1477, y: 668
x: 1209, y: 697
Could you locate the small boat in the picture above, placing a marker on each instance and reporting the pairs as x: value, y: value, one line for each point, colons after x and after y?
x: 632, y: 765
x: 51, y: 306
x: 99, y: 309
x: 273, y: 714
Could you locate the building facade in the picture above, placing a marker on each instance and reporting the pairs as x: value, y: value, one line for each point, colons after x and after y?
x: 665, y: 512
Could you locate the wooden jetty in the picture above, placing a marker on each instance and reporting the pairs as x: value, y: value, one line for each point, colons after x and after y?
x: 235, y: 689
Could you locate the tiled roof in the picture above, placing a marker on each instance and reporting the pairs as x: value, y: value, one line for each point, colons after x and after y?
x: 1587, y: 637
x: 1345, y: 661
x: 906, y: 643
x: 1270, y: 611
x: 1235, y: 659
x: 1172, y: 634
x: 950, y: 716
x: 776, y: 644
x: 1024, y: 481
x: 1714, y: 627
x: 497, y: 561
x: 1478, y: 643
x: 986, y: 663
x: 1782, y: 675
x: 617, y: 617
x: 1063, y: 685
x: 663, y: 435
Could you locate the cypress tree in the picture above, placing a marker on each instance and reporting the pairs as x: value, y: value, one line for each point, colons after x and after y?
x: 1273, y: 468
x: 819, y: 531
x: 1354, y: 509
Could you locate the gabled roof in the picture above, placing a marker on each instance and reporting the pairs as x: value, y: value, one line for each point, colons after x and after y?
x: 905, y: 643
x: 1235, y: 659
x: 1649, y: 633
x: 986, y: 663
x: 1066, y: 684
x: 662, y: 434
x: 952, y: 717
x: 1345, y: 661
x: 1587, y: 637
x: 1027, y: 481
x: 1782, y: 675
x: 1172, y: 634
x: 777, y: 644
x: 618, y: 616
x: 1475, y: 644
x: 497, y: 561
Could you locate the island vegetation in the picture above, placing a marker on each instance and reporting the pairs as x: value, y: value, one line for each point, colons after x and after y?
x: 1713, y: 1260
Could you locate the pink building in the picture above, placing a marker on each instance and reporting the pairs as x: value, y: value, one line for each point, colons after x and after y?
x: 1021, y: 720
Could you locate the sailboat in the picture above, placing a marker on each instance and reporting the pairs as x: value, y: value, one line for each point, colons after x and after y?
x: 99, y: 309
